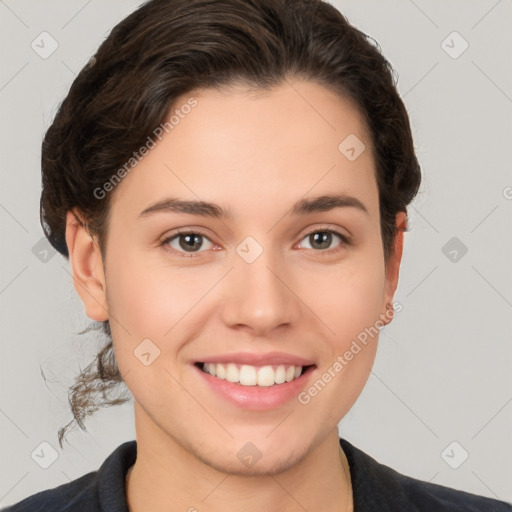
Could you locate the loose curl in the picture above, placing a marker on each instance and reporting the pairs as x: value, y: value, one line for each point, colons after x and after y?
x: 167, y: 48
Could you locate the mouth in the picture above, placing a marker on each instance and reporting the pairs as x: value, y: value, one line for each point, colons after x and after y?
x: 255, y: 376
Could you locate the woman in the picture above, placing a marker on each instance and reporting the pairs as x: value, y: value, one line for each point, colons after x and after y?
x: 230, y: 180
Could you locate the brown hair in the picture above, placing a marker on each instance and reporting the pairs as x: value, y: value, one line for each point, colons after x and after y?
x: 167, y: 48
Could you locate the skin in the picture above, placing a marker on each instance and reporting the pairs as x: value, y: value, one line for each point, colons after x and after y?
x: 256, y: 153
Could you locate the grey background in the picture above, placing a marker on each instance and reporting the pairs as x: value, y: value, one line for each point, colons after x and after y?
x: 443, y: 368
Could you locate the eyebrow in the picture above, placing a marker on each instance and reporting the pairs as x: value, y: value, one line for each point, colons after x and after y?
x: 302, y: 207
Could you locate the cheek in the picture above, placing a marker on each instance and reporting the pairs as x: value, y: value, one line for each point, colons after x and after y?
x: 147, y: 298
x: 147, y: 302
x: 346, y: 298
x: 155, y: 302
x: 350, y: 307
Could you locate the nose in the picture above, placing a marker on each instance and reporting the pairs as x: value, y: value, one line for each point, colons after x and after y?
x: 260, y: 297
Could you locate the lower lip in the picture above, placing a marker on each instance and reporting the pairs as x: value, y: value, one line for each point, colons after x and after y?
x: 257, y: 398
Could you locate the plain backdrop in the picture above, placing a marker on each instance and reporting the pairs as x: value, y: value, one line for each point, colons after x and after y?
x: 441, y: 387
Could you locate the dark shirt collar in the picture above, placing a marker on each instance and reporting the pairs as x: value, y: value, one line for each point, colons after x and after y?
x: 112, y: 478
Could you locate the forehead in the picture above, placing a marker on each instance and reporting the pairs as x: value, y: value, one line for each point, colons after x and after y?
x: 253, y: 149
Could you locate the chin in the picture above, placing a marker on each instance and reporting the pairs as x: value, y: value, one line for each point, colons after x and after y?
x: 264, y: 466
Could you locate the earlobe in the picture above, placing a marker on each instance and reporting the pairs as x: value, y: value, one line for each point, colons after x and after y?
x: 87, y: 268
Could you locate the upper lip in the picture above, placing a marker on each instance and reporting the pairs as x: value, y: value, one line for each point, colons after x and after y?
x: 270, y: 358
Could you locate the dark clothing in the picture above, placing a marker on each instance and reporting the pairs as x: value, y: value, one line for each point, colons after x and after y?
x: 376, y: 488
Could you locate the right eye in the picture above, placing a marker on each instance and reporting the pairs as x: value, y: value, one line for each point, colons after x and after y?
x: 186, y: 242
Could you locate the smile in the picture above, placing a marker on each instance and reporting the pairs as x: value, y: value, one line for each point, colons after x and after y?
x: 247, y: 375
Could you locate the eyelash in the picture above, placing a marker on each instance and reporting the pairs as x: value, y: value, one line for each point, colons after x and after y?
x: 345, y: 241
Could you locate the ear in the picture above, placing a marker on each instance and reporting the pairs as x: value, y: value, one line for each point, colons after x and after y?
x: 87, y: 267
x: 393, y: 264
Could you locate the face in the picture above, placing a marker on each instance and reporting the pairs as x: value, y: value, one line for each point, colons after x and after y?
x: 265, y: 281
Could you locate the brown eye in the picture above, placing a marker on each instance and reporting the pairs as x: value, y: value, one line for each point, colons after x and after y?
x: 186, y: 241
x: 322, y: 240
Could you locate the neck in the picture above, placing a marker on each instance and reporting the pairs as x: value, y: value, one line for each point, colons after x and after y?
x: 165, y: 474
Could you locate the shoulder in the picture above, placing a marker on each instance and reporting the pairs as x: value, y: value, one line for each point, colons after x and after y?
x: 429, y: 496
x: 379, y: 487
x: 96, y: 491
x: 64, y: 498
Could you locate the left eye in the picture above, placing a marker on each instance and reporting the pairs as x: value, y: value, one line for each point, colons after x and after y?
x: 322, y: 239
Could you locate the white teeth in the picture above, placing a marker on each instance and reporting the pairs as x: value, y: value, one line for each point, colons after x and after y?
x: 266, y: 376
x: 232, y: 373
x: 221, y: 371
x: 248, y: 375
x: 280, y: 375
